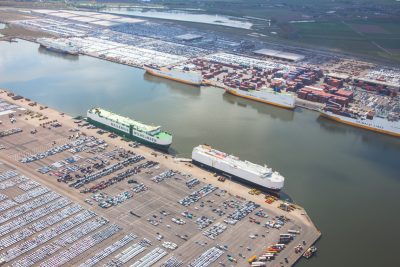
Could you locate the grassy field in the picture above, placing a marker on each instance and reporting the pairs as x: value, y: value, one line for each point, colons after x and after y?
x: 338, y: 31
x: 377, y: 38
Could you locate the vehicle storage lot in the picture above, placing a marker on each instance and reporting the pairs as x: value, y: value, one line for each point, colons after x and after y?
x: 154, y: 210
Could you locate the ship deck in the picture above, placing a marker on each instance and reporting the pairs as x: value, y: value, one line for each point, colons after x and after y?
x: 126, y: 121
x: 163, y: 136
x: 231, y: 160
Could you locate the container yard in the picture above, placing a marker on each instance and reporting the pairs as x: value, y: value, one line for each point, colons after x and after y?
x: 72, y: 179
x: 284, y: 77
x: 335, y: 85
x: 73, y: 193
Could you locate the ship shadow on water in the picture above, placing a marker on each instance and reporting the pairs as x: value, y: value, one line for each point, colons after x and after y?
x: 47, y: 52
x: 332, y: 126
x: 284, y: 196
x: 366, y: 136
x: 173, y: 152
x: 174, y: 87
x: 262, y: 108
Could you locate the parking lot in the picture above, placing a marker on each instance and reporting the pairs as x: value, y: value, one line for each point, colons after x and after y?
x: 131, y: 208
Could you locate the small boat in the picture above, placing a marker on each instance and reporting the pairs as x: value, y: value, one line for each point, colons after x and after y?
x: 310, y: 252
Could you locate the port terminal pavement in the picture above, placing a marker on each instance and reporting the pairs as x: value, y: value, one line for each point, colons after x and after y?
x: 310, y: 233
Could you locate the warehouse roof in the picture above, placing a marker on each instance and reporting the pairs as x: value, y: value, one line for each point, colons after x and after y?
x: 338, y: 75
x: 188, y: 37
x: 279, y: 54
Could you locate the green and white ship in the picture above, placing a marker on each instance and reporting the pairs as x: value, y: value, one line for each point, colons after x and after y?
x: 129, y: 128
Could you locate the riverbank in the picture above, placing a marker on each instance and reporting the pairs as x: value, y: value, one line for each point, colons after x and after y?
x: 309, y: 233
x: 324, y: 162
x: 168, y: 160
x: 299, y: 103
x: 319, y: 87
x: 13, y: 32
x: 29, y: 35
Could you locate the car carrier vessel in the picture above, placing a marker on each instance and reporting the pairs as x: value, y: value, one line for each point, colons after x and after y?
x: 183, y: 76
x: 129, y: 128
x: 389, y: 124
x: 245, y: 172
x: 266, y: 95
x: 58, y: 45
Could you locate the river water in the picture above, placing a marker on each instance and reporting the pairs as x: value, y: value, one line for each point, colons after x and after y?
x: 181, y: 15
x: 2, y: 26
x: 348, y: 179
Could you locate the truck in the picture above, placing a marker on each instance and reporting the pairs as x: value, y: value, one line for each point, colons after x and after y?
x: 251, y: 259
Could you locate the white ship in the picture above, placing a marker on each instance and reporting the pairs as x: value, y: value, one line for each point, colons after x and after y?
x: 188, y: 77
x: 59, y: 45
x: 266, y: 95
x: 242, y: 171
x: 129, y: 128
x: 386, y: 125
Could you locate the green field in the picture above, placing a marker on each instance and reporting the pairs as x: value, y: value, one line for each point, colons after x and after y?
x: 377, y: 38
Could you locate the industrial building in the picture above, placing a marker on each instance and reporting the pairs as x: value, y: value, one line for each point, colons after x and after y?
x: 279, y: 55
x: 188, y: 37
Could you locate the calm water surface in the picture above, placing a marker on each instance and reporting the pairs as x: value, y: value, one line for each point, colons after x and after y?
x: 348, y: 179
x: 2, y: 26
x: 183, y: 16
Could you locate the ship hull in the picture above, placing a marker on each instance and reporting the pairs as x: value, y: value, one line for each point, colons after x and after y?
x: 266, y: 101
x: 354, y: 123
x: 176, y: 79
x: 127, y: 135
x: 59, y: 50
x: 236, y: 178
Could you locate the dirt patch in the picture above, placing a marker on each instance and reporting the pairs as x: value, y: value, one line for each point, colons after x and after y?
x: 364, y: 28
x: 32, y: 4
x: 13, y: 31
x: 6, y: 16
